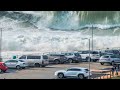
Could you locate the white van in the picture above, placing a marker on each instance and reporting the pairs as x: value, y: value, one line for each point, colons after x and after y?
x: 35, y: 60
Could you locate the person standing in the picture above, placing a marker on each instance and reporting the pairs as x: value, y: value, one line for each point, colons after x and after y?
x: 113, y: 69
x: 116, y: 69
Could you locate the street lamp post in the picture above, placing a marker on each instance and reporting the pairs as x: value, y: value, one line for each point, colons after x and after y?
x: 89, y: 55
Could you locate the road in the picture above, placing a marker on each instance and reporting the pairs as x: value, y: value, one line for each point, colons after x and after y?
x: 47, y: 72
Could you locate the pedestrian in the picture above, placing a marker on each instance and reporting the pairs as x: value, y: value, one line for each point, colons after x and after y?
x: 116, y: 69
x: 112, y: 69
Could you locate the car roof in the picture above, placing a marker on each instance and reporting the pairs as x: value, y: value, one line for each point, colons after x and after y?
x: 14, y: 59
x: 107, y: 55
x: 78, y: 67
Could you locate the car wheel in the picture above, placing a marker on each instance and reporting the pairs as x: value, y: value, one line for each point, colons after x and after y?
x: 94, y: 60
x: 4, y: 71
x: 81, y: 76
x: 18, y: 67
x: 23, y: 67
x: 56, y: 61
x: 60, y: 75
x: 70, y: 60
x: 87, y: 59
x: 102, y: 63
x: 37, y: 65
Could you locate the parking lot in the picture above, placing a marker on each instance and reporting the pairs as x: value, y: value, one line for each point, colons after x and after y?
x: 48, y: 72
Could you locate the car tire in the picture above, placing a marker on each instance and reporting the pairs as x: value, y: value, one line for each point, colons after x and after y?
x: 87, y: 59
x: 18, y: 67
x: 56, y: 61
x: 37, y: 65
x: 60, y: 75
x: 94, y: 60
x: 102, y: 63
x: 70, y: 60
x: 81, y: 76
x: 23, y: 67
x: 4, y: 71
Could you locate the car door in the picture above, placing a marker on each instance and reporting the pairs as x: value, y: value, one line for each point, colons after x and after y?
x: 85, y: 54
x: 71, y: 72
x: 13, y: 63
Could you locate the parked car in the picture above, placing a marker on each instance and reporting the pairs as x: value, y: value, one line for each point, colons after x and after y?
x: 111, y: 59
x: 18, y: 64
x: 94, y: 55
x: 3, y: 67
x: 116, y: 52
x: 74, y: 72
x: 73, y: 57
x: 57, y: 58
x: 35, y: 60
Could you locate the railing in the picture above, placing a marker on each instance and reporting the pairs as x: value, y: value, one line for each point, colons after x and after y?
x: 103, y: 74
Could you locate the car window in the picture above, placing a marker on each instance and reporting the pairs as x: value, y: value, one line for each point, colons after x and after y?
x: 86, y: 69
x: 85, y: 52
x: 105, y: 56
x: 80, y: 52
x: 94, y: 52
x: 23, y: 57
x: 74, y: 69
x: 12, y: 61
x: 8, y: 61
x: 113, y: 57
x: 33, y: 57
x: 21, y: 60
x: 45, y: 57
x: 76, y: 54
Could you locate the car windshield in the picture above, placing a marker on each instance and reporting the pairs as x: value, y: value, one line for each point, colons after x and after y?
x: 94, y: 52
x: 45, y: 57
x: 77, y: 54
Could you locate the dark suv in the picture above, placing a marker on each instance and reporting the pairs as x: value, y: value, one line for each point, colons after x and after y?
x: 57, y: 58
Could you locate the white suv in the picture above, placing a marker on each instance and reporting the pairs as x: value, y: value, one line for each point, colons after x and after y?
x: 73, y: 57
x: 94, y: 55
x: 77, y: 72
x: 109, y: 59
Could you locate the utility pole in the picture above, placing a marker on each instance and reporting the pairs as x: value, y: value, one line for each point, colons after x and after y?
x: 0, y: 44
x: 92, y: 37
x: 89, y: 58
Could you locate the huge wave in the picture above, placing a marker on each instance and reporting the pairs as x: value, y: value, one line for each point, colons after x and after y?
x: 59, y: 30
